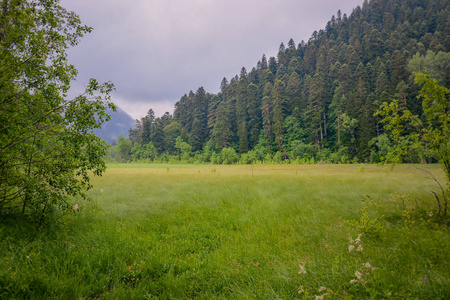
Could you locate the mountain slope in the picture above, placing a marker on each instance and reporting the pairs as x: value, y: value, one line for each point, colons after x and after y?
x: 318, y: 98
x: 119, y: 124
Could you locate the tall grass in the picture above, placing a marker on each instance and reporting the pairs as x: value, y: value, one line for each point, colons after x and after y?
x: 235, y: 232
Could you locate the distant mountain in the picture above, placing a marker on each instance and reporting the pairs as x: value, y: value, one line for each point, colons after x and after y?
x: 119, y: 124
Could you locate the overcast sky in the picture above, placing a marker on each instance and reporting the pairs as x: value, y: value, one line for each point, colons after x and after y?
x: 155, y: 51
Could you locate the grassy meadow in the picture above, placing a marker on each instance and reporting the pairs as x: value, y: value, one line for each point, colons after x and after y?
x: 238, y: 232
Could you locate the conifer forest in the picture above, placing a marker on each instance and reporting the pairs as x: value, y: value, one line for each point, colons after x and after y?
x: 316, y: 100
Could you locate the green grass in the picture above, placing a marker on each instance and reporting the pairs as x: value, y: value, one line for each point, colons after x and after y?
x: 177, y: 231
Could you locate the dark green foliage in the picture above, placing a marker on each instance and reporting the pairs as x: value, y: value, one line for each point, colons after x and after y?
x: 222, y: 133
x: 332, y: 85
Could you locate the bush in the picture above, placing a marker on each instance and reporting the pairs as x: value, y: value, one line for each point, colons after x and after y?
x: 229, y: 156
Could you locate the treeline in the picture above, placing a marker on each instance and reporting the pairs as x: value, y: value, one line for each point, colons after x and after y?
x: 315, y: 101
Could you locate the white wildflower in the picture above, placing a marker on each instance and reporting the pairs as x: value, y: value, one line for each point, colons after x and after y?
x: 351, y: 240
x: 353, y: 281
x: 350, y: 248
x: 300, y: 289
x: 360, y: 248
x: 367, y: 265
x: 75, y: 207
x: 430, y: 214
x: 320, y: 297
x: 358, y: 274
x: 358, y: 239
x: 302, y: 270
x: 322, y: 288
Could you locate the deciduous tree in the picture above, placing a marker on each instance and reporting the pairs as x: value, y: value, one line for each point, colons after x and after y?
x: 47, y: 147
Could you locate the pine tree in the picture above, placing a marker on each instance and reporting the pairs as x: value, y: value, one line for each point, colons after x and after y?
x: 254, y: 115
x: 264, y: 62
x: 222, y: 133
x: 243, y: 75
x: 212, y: 113
x: 273, y: 65
x: 241, y: 115
x: 281, y: 57
x: 277, y: 114
x: 266, y: 109
x: 223, y: 85
x: 147, y: 126
x: 199, y: 133
x: 315, y: 110
x: 157, y: 135
x: 293, y: 89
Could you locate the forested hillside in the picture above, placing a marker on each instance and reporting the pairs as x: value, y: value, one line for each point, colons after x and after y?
x: 315, y: 99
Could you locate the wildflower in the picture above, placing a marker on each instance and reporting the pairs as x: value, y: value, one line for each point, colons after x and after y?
x: 367, y: 265
x: 319, y: 297
x: 322, y: 288
x: 425, y: 278
x: 15, y: 280
x: 360, y: 248
x: 307, y: 258
x: 344, y: 292
x: 358, y: 275
x: 302, y: 270
x: 353, y: 281
x: 12, y: 258
x: 350, y: 248
x: 300, y: 289
x: 351, y: 240
x: 358, y: 239
x: 430, y: 214
x: 101, y: 191
x: 75, y: 207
